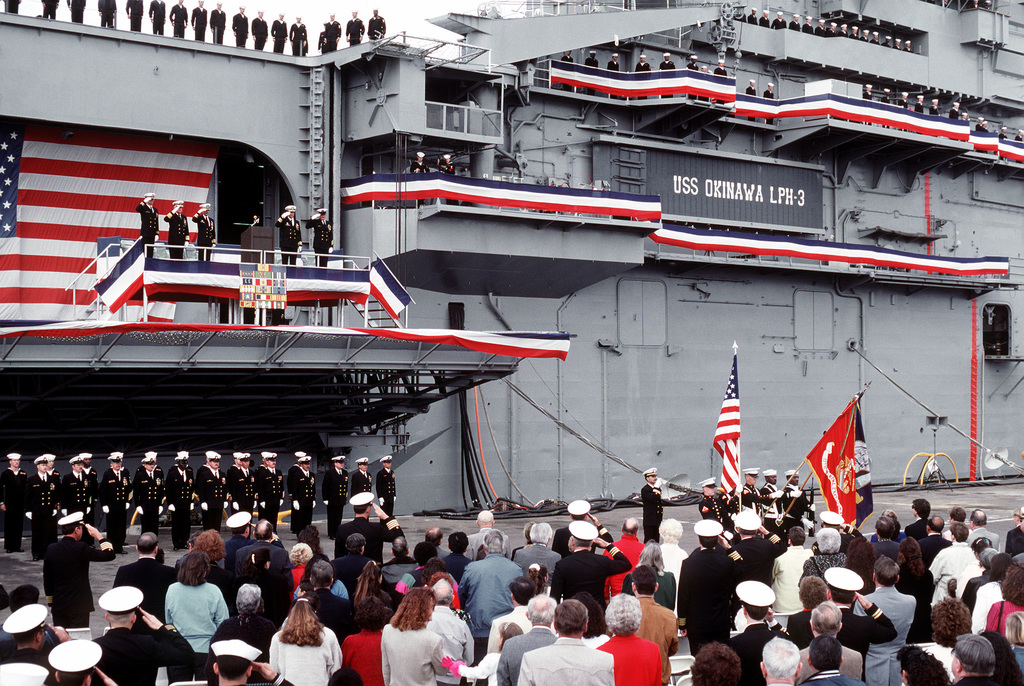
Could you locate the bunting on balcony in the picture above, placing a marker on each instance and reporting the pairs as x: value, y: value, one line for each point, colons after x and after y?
x: 657, y: 82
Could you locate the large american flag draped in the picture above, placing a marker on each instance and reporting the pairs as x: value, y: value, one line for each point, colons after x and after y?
x: 727, y: 434
x: 62, y: 189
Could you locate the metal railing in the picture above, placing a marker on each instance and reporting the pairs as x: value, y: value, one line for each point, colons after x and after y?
x: 465, y: 119
x: 518, y: 9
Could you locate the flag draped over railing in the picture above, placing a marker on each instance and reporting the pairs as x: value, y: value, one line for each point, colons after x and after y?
x: 727, y: 433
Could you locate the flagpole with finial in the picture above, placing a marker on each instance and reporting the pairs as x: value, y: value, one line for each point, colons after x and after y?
x: 739, y: 458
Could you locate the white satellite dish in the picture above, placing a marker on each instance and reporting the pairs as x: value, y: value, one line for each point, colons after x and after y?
x: 998, y: 458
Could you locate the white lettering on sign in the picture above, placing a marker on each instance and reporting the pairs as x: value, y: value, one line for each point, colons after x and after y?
x: 720, y: 189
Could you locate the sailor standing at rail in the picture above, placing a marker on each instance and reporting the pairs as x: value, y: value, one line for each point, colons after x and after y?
x: 218, y: 23
x: 206, y: 233
x: 279, y: 32
x: 177, y: 232
x: 289, y: 238
x: 322, y: 235
x: 150, y: 226
x: 199, y: 20
x: 299, y: 38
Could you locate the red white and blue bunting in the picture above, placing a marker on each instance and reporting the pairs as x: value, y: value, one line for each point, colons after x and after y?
x: 746, y: 244
x: 644, y: 83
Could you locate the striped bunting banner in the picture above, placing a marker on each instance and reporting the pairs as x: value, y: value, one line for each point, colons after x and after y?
x: 385, y: 188
x: 656, y: 82
x: 746, y: 244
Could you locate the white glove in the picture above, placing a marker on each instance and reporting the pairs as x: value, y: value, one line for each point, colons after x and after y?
x: 226, y: 504
x: 88, y: 510
x: 263, y: 505
x: 55, y: 512
x: 170, y: 508
x: 106, y: 510
x: 29, y: 515
x: 280, y: 502
x: 659, y: 482
x: 191, y: 506
x: 138, y: 509
x: 295, y: 504
x: 325, y: 503
x: 127, y: 506
x: 204, y: 506
x: 776, y: 495
x: 64, y: 512
x: 381, y: 501
x: 234, y: 505
x: 160, y: 509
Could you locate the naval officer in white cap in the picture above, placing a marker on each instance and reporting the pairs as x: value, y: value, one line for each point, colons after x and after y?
x: 75, y: 663
x: 584, y: 570
x: 302, y: 491
x: 706, y: 587
x: 717, y: 506
x: 858, y: 631
x: 362, y: 482
x: 375, y: 533
x: 27, y: 626
x: 579, y: 511
x: 756, y: 601
x: 654, y: 510
x: 236, y: 661
x: 66, y: 571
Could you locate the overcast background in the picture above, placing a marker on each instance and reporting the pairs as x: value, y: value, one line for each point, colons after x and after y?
x: 404, y: 15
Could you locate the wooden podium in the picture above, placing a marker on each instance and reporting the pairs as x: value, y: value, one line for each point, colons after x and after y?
x: 256, y: 239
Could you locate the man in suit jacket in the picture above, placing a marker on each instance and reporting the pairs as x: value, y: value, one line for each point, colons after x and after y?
x: 827, y: 620
x: 933, y: 543
x: 541, y: 613
x: 857, y: 632
x: 265, y: 538
x: 348, y: 567
x: 919, y: 529
x: 881, y: 667
x: 334, y: 612
x: 539, y: 552
x: 485, y: 524
x: 568, y: 659
x: 149, y: 576
x: 826, y: 656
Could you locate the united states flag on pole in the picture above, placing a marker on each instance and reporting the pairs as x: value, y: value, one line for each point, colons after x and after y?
x: 62, y: 189
x: 727, y: 435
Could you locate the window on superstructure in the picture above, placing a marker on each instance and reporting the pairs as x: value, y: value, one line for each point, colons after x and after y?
x: 995, y: 329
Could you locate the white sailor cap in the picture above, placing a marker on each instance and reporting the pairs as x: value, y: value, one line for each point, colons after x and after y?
x: 149, y: 196
x: 844, y: 579
x: 321, y: 210
x: 831, y: 518
x: 615, y: 54
x: 843, y: 26
x: 868, y: 87
x: 77, y: 459
x: 22, y: 674
x: 150, y: 458
x: 447, y: 156
x: 766, y: 12
x: 25, y: 619
x: 833, y: 24
x: 246, y: 456
x: 770, y: 472
x: 72, y: 518
x: 268, y: 455
x: 790, y: 472
x: 360, y: 499
x: 721, y: 61
x: 899, y: 40
x: 643, y: 57
x: 238, y: 454
x: 239, y: 519
x: 121, y: 599
x: 771, y: 85
x: 748, y: 521
x: 179, y: 203
x: 41, y: 459
x: 708, y: 528
x: 212, y: 455
x: 303, y: 457
x: 582, y: 531
x: 338, y: 458
x: 13, y: 456
x: 874, y: 33
x: 779, y: 13
x: 289, y: 208
x: 204, y: 206
x: 904, y: 94
x: 707, y: 483
x: 235, y: 648
x: 363, y: 460
x: 115, y: 457
x: 386, y: 458
x: 753, y: 470
x: 75, y: 656
x: 578, y: 507
x: 753, y: 81
x: 653, y: 471
x: 182, y: 455
x: 755, y: 594
x: 593, y: 52
x: 420, y: 154
x: 821, y: 21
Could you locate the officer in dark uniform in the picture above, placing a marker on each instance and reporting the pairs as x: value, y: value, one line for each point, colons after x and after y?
x: 322, y: 235
x: 200, y: 18
x: 210, y: 491
x: 834, y: 520
x: 361, y: 481
x: 750, y: 496
x: 650, y: 496
x: 375, y: 533
x: 386, y: 486
x: 299, y: 38
x: 354, y: 29
x: 758, y: 553
x: 279, y: 32
x: 578, y: 511
x: 242, y: 485
x: 66, y: 571
x: 150, y: 226
x: 858, y: 631
x: 206, y: 233
x: 707, y: 581
x: 92, y: 481
x: 771, y: 512
x: 376, y: 28
x: 130, y: 656
x: 50, y: 9
x: 240, y: 27
x: 177, y: 232
x: 179, y: 19
x: 302, y: 491
x: 330, y: 36
x: 218, y: 24
x: 12, y: 502
x: 445, y: 166
x: 269, y: 488
x: 793, y: 503
x: 135, y: 10
x: 116, y: 496
x: 756, y: 599
x: 148, y: 491
x: 157, y: 16
x: 289, y: 237
x: 334, y: 491
x: 419, y: 165
x: 74, y: 489
x: 77, y: 11
x: 42, y: 498
x: 717, y: 506
x: 260, y: 31
x: 583, y: 570
x: 180, y: 494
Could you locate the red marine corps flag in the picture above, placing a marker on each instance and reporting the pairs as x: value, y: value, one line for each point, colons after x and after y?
x: 833, y: 463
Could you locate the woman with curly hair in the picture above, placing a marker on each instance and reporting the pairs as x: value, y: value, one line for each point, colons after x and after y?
x: 861, y: 557
x: 1007, y: 670
x: 1012, y: 588
x: 716, y: 665
x: 275, y: 587
x: 370, y: 585
x: 827, y: 555
x: 212, y: 544
x: 950, y: 618
x: 919, y: 668
x: 411, y: 654
x: 916, y: 580
x: 362, y: 651
x: 304, y: 651
x: 300, y: 555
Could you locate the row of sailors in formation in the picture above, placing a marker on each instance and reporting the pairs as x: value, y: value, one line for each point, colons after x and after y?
x: 779, y: 507
x: 918, y: 105
x: 831, y: 30
x: 43, y: 496
x: 643, y: 65
x: 199, y: 19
